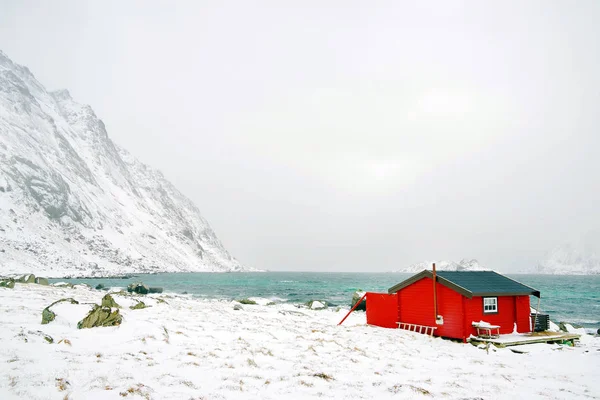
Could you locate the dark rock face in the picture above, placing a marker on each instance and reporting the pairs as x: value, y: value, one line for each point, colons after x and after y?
x: 138, y: 288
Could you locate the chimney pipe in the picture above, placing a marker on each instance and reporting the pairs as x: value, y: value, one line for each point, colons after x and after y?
x: 435, y: 312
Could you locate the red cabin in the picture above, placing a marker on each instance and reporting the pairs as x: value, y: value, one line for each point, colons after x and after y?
x: 458, y: 299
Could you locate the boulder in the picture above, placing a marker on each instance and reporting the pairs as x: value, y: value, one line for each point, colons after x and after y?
x: 564, y: 326
x: 28, y: 278
x: 598, y: 331
x: 63, y: 285
x: 8, y: 283
x: 138, y: 288
x: 155, y: 290
x: 247, y: 301
x: 139, y: 306
x: 316, y: 305
x: 48, y: 315
x: 238, y: 307
x: 42, y: 281
x: 108, y: 301
x: 101, y: 316
x: 356, y: 297
x: 100, y: 286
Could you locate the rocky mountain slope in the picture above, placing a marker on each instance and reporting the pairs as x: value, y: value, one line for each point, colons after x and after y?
x: 582, y: 258
x: 462, y: 265
x: 74, y: 203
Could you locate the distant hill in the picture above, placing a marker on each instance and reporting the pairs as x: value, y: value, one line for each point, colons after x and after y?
x: 462, y: 265
x: 582, y: 258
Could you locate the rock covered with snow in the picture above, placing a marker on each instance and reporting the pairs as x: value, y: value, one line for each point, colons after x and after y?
x: 578, y: 258
x: 74, y: 203
x: 462, y: 265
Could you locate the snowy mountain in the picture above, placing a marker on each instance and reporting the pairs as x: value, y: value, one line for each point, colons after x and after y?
x: 74, y: 203
x: 463, y: 265
x: 581, y: 258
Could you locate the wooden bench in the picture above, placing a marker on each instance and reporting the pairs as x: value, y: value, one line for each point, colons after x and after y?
x: 487, y: 331
x: 427, y: 330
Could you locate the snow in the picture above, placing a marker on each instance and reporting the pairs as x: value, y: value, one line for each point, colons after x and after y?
x: 483, y: 324
x: 581, y: 257
x: 317, y: 305
x: 192, y: 348
x: 72, y: 203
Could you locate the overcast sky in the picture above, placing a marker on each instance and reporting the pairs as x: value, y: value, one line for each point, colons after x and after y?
x: 345, y: 135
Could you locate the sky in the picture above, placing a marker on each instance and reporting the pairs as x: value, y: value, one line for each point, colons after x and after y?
x: 345, y: 135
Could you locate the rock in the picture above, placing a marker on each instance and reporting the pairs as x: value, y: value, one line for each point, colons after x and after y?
x: 316, y: 305
x: 565, y: 328
x: 238, y: 307
x: 101, y: 316
x: 100, y: 286
x: 48, y: 315
x: 138, y: 288
x: 356, y: 297
x: 108, y: 301
x: 82, y: 285
x: 29, y: 278
x: 155, y: 290
x: 247, y: 301
x: 63, y: 285
x: 598, y: 331
x: 140, y: 305
x: 8, y: 283
x: 42, y: 281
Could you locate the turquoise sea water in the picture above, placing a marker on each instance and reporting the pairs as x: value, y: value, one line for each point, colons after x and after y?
x: 566, y: 298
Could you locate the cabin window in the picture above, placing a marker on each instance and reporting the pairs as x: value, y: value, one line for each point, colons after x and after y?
x: 490, y: 305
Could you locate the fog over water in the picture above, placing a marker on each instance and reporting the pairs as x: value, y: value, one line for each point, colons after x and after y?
x: 345, y: 136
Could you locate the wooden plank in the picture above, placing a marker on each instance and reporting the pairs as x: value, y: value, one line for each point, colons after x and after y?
x: 529, y: 340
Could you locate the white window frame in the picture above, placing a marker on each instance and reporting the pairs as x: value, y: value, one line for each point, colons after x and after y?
x: 490, y: 305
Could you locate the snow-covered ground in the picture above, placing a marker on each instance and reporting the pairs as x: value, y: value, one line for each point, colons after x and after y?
x: 198, y: 349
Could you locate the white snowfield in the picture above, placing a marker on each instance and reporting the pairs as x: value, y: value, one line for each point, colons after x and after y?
x: 199, y: 349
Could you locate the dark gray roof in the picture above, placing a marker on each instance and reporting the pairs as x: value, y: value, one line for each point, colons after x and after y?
x: 473, y: 283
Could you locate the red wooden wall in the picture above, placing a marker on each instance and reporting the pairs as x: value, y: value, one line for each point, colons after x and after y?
x: 414, y: 305
x: 511, y: 309
x: 382, y: 310
x: 523, y: 314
